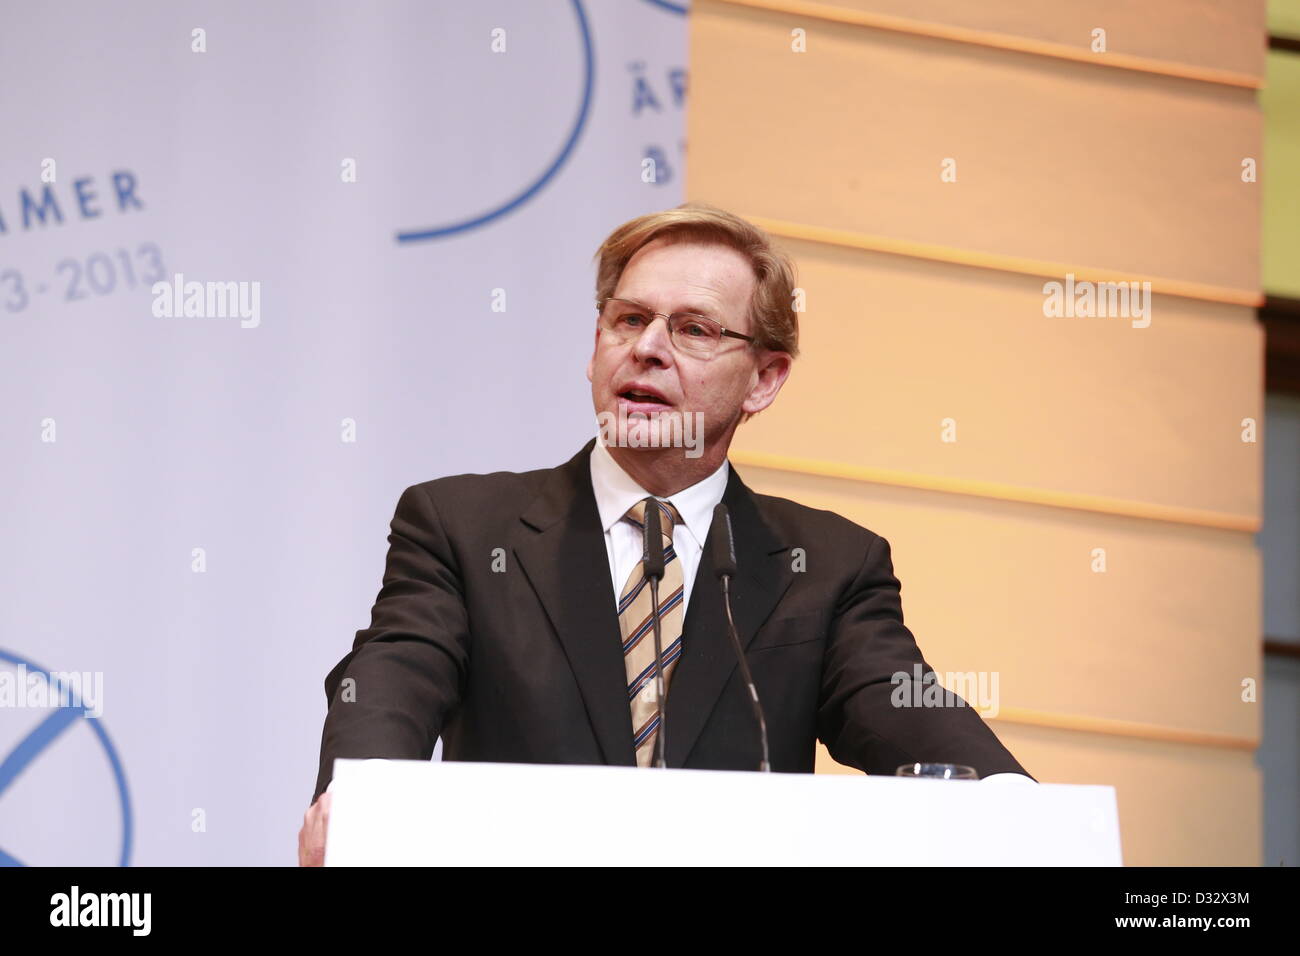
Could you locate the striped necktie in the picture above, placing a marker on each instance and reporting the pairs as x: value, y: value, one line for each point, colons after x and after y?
x: 636, y: 624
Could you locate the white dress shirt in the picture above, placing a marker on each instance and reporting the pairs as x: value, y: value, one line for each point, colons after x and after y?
x: 616, y: 492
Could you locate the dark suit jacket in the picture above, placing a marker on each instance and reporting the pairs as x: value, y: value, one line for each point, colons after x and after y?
x: 496, y: 629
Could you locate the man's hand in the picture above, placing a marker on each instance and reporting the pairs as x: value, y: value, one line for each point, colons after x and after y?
x: 311, y: 838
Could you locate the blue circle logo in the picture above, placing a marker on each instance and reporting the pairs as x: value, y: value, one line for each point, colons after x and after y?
x: 65, y: 712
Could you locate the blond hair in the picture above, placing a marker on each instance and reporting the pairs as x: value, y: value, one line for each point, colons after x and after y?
x: 775, y: 325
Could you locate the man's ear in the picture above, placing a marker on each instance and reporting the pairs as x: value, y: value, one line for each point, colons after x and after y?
x: 773, y: 369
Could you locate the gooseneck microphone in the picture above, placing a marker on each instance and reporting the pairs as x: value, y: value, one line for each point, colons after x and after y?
x: 722, y: 545
x: 652, y: 557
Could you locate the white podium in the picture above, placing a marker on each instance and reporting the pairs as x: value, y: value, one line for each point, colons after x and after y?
x: 422, y: 813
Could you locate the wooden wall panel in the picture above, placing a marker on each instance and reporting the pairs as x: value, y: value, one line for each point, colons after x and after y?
x: 1055, y: 160
x: 1163, y: 637
x: 924, y: 302
x: 892, y: 346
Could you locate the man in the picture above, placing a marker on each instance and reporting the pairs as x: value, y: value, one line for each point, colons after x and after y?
x: 514, y: 621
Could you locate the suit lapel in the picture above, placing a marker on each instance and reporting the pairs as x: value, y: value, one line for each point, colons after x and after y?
x: 708, y: 659
x: 563, y: 555
x: 565, y: 559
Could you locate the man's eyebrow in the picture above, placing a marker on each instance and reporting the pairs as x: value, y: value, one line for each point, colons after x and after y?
x: 705, y: 311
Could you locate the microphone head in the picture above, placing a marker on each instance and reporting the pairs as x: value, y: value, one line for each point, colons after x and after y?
x: 722, y: 543
x: 652, y: 551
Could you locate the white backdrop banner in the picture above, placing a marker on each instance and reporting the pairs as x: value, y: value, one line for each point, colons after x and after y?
x: 263, y: 266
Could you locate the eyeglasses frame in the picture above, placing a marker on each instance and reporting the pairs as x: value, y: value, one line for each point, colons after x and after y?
x: 726, y: 332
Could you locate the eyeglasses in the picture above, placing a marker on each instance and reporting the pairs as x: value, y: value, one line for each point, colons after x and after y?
x: 624, y: 320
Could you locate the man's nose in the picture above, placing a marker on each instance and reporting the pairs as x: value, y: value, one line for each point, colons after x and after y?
x: 655, y: 342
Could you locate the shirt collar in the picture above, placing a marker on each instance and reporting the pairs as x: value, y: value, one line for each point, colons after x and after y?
x: 616, y: 492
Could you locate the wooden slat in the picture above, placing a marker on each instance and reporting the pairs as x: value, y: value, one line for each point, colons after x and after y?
x: 1001, y: 492
x: 1198, y: 41
x: 1020, y: 265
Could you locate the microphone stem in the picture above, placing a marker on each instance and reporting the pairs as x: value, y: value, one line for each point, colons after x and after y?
x: 765, y: 766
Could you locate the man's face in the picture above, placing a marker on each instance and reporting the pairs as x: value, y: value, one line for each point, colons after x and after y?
x: 712, y: 280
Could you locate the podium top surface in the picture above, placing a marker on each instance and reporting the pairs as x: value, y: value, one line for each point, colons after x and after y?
x: 434, y: 813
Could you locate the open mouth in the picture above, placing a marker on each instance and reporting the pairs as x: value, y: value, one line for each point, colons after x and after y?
x: 641, y: 398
